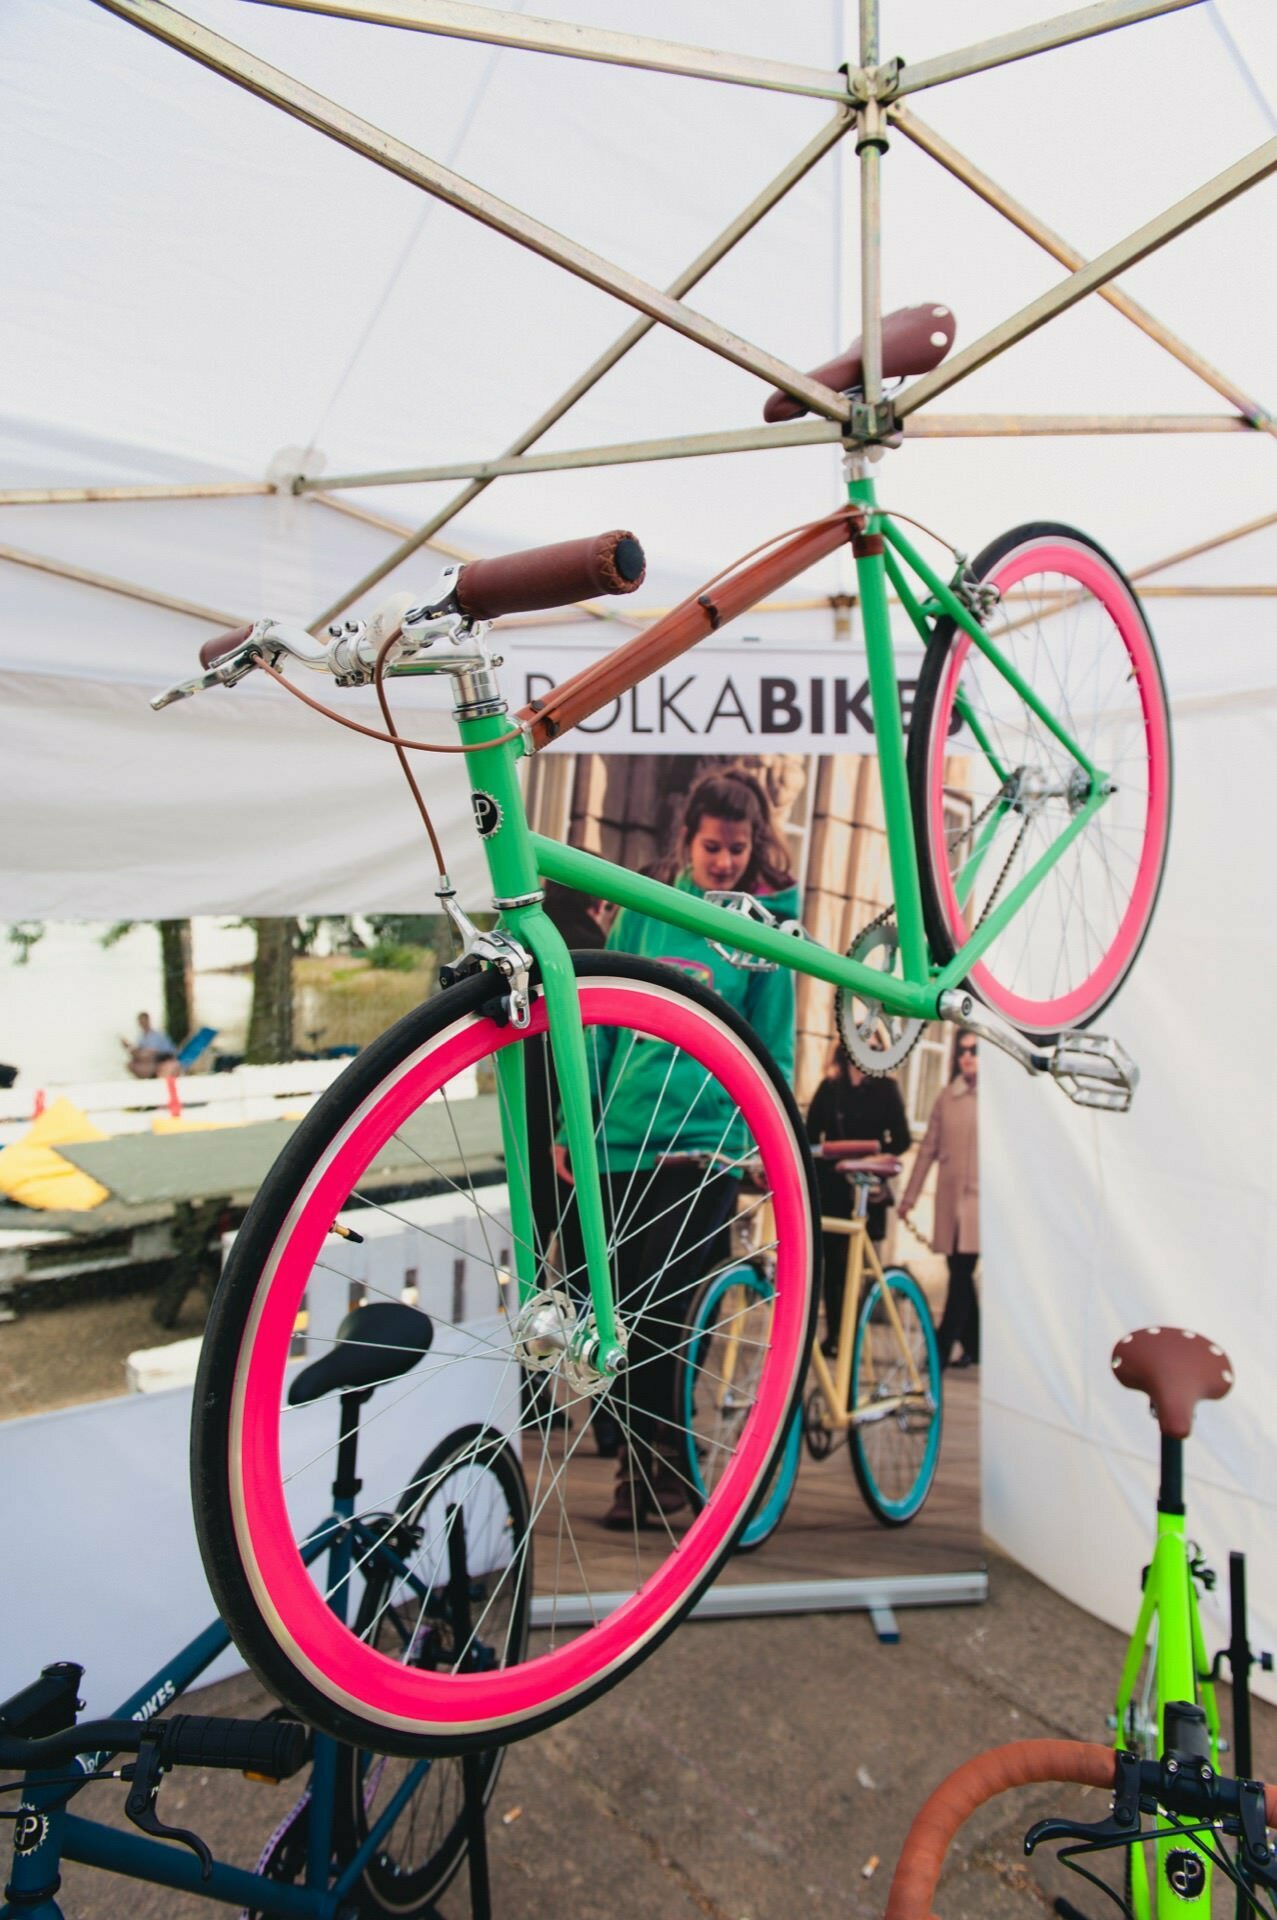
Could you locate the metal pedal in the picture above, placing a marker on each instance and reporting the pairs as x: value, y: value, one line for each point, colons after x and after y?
x: 750, y: 908
x: 1095, y: 1071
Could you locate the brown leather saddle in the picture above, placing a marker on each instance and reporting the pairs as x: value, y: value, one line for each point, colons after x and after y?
x: 914, y: 340
x: 1176, y: 1369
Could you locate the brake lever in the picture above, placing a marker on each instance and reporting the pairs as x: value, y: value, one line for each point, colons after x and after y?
x: 145, y: 1773
x: 1123, y: 1818
x: 227, y: 673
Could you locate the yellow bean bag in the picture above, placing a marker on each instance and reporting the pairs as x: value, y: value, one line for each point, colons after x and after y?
x: 35, y: 1176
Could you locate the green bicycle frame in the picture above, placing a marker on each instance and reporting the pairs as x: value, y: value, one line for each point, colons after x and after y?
x: 1169, y: 1619
x: 520, y: 860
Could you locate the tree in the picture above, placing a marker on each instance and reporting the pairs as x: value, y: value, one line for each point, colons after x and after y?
x: 176, y: 970
x: 179, y: 980
x: 270, y: 1024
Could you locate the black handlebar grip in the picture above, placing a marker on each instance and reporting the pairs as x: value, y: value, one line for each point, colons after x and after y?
x: 223, y: 643
x: 273, y: 1747
x: 556, y: 576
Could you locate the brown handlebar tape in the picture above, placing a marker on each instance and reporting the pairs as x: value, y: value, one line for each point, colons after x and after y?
x: 556, y: 576
x: 1022, y: 1763
x: 221, y: 644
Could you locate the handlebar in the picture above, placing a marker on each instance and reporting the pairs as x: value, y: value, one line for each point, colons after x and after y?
x: 1023, y: 1763
x: 553, y: 576
x: 272, y: 1747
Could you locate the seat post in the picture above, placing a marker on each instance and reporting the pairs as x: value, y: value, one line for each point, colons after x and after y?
x: 1170, y: 1495
x: 345, y: 1485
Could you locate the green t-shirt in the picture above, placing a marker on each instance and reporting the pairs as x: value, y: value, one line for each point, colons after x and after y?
x: 656, y: 1099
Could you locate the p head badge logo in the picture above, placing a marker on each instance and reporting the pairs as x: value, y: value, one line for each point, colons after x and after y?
x: 487, y: 813
x: 1185, y: 1873
x: 30, y: 1829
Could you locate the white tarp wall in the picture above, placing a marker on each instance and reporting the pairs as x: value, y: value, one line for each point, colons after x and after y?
x: 196, y: 285
x: 1096, y: 1224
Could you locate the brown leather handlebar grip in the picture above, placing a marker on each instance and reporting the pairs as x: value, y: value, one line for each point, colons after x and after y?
x: 556, y: 576
x: 1022, y: 1763
x: 221, y: 644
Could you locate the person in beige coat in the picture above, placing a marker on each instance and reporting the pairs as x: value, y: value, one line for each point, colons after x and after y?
x: 952, y: 1143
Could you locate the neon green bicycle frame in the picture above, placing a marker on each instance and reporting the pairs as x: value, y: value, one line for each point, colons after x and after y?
x: 1170, y: 1624
x: 519, y: 860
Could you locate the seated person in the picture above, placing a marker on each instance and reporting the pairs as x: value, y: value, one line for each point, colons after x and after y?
x: 151, y: 1055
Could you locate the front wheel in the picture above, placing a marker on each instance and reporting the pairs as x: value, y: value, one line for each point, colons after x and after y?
x: 994, y: 789
x: 730, y: 1328
x: 433, y: 1165
x: 896, y: 1399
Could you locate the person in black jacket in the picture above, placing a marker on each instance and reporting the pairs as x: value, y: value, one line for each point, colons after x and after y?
x: 851, y: 1105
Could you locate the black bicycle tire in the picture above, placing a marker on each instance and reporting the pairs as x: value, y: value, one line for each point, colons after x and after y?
x: 920, y: 727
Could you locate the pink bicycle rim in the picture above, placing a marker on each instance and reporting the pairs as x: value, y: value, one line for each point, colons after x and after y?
x: 342, y: 1666
x: 1080, y: 563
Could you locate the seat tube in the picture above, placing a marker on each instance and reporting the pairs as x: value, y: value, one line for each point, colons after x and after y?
x: 884, y: 691
x: 1177, y: 1677
x: 516, y: 887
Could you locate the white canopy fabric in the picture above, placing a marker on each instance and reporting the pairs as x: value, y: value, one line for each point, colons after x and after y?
x: 198, y: 288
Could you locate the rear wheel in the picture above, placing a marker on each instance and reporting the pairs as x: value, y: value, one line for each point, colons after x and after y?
x: 466, y: 1502
x: 896, y: 1396
x: 993, y: 789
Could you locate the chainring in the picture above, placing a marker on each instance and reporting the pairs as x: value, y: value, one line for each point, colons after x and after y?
x: 877, y: 1041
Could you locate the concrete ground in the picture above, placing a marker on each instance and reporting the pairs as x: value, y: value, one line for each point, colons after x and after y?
x: 753, y: 1770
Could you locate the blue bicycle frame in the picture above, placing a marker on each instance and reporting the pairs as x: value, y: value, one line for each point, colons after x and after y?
x: 346, y: 1541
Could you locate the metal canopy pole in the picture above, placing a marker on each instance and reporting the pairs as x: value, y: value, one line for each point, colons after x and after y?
x: 1137, y: 246
x: 735, y: 231
x: 396, y: 156
x: 794, y: 433
x: 499, y: 28
x: 1059, y: 32
x: 996, y: 197
x: 870, y: 142
x: 63, y: 570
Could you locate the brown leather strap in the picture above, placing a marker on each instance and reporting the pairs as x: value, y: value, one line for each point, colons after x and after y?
x: 605, y: 680
x: 879, y: 1166
x: 847, y: 1149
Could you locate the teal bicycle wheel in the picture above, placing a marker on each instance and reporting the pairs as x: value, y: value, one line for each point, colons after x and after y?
x: 729, y: 1339
x: 895, y: 1385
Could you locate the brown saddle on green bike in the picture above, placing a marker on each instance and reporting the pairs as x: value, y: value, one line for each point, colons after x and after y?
x: 914, y: 340
x: 1176, y: 1369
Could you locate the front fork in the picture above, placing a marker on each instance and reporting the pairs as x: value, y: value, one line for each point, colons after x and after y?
x: 516, y: 886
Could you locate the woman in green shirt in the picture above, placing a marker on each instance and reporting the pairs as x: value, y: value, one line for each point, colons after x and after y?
x: 663, y: 1118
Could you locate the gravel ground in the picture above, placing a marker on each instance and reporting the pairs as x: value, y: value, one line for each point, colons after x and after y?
x: 751, y: 1770
x: 60, y: 1355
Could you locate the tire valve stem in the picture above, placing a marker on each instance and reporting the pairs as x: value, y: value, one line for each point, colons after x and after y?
x: 347, y: 1233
